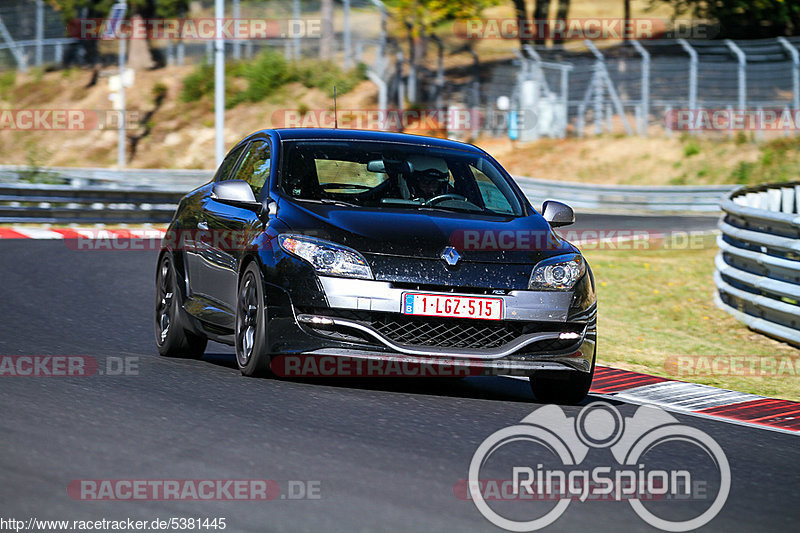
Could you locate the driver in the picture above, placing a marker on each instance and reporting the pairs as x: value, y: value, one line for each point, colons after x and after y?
x: 429, y: 177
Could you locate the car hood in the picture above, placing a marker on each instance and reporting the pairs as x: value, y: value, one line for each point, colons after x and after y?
x: 425, y: 234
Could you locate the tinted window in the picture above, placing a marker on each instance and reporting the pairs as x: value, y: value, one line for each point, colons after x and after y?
x: 384, y: 174
x: 226, y: 168
x: 255, y: 166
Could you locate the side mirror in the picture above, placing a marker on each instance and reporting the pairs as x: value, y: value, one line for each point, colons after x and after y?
x: 557, y: 213
x: 239, y: 194
x: 235, y: 192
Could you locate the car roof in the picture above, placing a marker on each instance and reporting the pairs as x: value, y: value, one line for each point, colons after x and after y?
x: 369, y: 135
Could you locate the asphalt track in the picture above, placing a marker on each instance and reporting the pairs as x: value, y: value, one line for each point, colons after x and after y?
x: 386, y: 453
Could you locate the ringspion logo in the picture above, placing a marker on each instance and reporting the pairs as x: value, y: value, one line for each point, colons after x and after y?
x: 543, y: 458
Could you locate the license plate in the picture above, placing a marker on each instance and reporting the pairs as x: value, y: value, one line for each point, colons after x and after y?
x: 452, y: 306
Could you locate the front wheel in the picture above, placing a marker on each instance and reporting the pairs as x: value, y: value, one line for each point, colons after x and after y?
x: 251, y: 317
x: 171, y: 338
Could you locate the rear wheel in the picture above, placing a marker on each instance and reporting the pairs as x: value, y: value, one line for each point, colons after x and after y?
x: 563, y: 387
x: 251, y: 335
x: 171, y: 338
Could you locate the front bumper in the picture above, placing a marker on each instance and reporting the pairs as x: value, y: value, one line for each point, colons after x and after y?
x: 363, y: 321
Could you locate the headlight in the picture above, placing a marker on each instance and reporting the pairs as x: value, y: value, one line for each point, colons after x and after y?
x: 558, y: 273
x: 327, y: 257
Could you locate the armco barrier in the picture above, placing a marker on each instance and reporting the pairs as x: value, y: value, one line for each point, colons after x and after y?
x: 622, y: 197
x: 94, y: 195
x: 758, y: 264
x: 143, y: 195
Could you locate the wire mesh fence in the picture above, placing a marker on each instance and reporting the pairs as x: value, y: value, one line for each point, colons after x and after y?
x: 565, y: 89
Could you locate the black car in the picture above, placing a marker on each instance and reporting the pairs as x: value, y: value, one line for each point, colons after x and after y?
x: 371, y: 245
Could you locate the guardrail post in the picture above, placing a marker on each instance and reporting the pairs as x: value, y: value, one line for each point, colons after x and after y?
x: 742, y: 73
x: 693, y: 64
x: 645, y: 90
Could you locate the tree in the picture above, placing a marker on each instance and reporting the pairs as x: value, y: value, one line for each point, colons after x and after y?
x: 541, y: 14
x: 421, y: 18
x: 97, y: 9
x: 743, y: 19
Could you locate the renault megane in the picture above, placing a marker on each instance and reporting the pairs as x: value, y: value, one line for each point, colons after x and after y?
x: 369, y: 245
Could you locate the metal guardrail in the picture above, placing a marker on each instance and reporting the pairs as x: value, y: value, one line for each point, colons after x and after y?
x: 93, y: 195
x: 173, y: 180
x: 677, y: 198
x: 758, y: 265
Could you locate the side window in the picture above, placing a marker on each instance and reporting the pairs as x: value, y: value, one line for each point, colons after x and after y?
x: 255, y: 166
x: 226, y: 168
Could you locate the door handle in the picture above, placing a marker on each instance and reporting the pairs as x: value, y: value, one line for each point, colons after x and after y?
x: 203, y: 225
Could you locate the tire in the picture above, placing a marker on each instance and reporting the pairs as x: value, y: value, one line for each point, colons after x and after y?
x: 171, y: 337
x: 250, y: 331
x: 562, y: 387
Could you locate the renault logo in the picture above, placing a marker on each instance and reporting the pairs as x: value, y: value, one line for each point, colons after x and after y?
x: 450, y: 256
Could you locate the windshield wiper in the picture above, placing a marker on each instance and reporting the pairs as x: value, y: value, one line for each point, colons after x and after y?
x: 328, y: 201
x: 474, y: 209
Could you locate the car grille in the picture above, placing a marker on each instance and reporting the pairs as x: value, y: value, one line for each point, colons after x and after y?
x: 446, y: 332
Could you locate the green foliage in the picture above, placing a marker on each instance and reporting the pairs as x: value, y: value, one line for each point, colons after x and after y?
x: 779, y: 161
x: 7, y: 81
x: 743, y: 172
x: 691, y: 148
x: 159, y: 93
x: 742, y: 19
x: 70, y: 9
x: 326, y: 75
x: 270, y: 71
x: 423, y: 16
x: 263, y: 75
x: 198, y: 83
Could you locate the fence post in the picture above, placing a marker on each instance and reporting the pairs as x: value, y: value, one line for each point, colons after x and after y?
x: 295, y: 24
x: 645, y: 107
x: 795, y: 55
x: 39, y: 32
x: 348, y: 43
x: 382, y: 91
x: 742, y: 70
x: 400, y: 86
x: 602, y: 79
x: 15, y: 50
x: 667, y: 123
x: 692, y: 72
x: 380, y: 60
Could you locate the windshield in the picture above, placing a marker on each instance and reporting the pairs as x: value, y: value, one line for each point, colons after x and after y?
x: 384, y: 174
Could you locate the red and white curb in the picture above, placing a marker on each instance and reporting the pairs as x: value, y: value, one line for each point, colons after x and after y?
x: 695, y: 399
x: 80, y: 233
